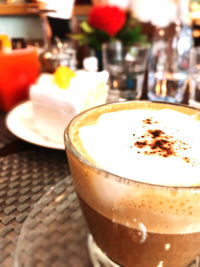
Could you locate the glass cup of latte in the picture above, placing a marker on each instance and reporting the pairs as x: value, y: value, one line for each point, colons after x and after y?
x: 136, y: 167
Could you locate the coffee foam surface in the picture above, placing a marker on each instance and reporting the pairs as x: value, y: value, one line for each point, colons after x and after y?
x: 157, y: 147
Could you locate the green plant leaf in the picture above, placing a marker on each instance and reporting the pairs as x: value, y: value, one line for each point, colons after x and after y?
x: 77, y: 37
x: 129, y: 35
x: 86, y: 27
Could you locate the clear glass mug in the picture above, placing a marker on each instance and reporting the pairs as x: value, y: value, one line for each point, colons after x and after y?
x: 134, y: 223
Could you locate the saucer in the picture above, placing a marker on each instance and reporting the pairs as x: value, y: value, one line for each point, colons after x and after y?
x: 20, y: 122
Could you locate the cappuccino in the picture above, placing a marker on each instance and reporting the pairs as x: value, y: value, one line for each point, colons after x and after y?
x: 135, y: 166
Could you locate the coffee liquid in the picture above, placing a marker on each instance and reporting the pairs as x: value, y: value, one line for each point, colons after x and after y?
x: 127, y: 247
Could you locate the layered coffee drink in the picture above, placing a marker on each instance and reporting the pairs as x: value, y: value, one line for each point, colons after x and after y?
x: 136, y: 170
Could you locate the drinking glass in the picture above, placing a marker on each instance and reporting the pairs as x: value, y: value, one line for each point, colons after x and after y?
x: 134, y: 223
x: 194, y: 74
x: 168, y: 65
x: 126, y: 66
x: 61, y: 54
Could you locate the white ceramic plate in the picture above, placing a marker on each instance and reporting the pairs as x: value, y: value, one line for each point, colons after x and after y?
x: 20, y: 121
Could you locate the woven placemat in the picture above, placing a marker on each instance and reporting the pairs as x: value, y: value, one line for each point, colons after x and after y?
x: 24, y: 178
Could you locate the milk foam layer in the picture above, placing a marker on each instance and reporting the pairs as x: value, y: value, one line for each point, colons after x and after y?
x: 158, y: 147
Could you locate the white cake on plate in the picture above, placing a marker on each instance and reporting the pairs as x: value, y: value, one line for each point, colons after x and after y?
x: 56, y: 99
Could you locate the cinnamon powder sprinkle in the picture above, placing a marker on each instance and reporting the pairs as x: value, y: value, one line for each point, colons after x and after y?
x: 155, y: 141
x: 149, y: 121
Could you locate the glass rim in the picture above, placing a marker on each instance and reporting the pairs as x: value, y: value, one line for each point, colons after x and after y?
x: 109, y: 175
x: 140, y: 46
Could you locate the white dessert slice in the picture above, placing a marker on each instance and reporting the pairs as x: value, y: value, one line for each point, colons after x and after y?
x: 54, y: 107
